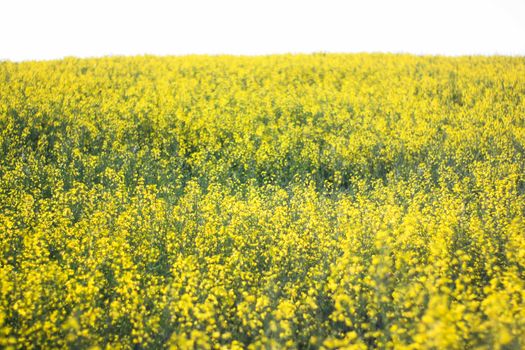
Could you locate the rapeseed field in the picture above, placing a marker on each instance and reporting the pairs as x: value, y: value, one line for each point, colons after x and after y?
x: 327, y: 201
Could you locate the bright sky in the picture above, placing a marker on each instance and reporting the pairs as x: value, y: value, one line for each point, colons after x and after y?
x: 54, y: 29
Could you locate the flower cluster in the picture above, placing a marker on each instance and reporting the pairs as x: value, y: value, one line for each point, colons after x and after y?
x: 290, y: 201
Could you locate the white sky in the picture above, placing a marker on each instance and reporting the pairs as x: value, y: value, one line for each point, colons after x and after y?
x: 54, y: 29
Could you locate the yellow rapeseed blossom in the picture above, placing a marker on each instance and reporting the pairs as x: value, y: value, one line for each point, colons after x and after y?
x: 292, y: 201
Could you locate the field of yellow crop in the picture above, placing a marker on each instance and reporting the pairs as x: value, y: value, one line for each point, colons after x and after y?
x: 290, y: 201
